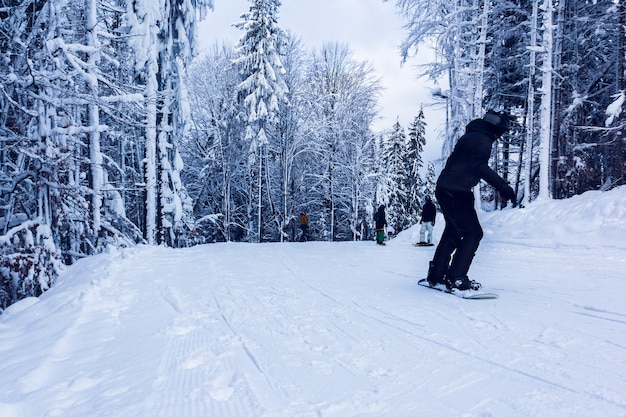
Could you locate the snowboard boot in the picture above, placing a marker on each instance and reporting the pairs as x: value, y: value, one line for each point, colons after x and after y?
x: 462, y: 284
x: 434, y: 281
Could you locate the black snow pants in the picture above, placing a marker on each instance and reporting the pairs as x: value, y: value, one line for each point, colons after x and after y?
x: 460, y: 237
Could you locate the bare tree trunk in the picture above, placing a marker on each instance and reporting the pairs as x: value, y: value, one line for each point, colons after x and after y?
x: 480, y: 62
x: 558, y: 142
x: 95, y: 155
x: 618, y: 155
x: 150, y: 153
x: 546, y: 103
x: 260, y: 195
x: 530, y: 106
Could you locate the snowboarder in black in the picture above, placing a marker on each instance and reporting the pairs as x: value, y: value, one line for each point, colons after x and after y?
x: 381, y: 222
x: 465, y: 167
x: 427, y: 220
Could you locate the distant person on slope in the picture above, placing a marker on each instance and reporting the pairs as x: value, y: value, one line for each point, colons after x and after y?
x: 465, y: 167
x: 380, y: 222
x: 304, y: 226
x: 427, y: 220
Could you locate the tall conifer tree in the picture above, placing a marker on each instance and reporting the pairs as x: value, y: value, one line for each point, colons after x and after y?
x: 394, y: 157
x: 414, y: 163
x: 261, y: 90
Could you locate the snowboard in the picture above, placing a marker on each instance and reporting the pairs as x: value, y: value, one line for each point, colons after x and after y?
x: 423, y: 244
x: 468, y: 294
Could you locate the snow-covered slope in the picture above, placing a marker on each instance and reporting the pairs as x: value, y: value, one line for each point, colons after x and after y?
x: 334, y: 329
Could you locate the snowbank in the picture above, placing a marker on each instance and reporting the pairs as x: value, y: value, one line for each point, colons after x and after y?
x: 594, y: 218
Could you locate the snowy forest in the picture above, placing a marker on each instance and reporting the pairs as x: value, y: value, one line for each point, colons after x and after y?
x: 113, y: 131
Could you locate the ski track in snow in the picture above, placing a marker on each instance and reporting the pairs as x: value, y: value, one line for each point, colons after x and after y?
x: 320, y: 329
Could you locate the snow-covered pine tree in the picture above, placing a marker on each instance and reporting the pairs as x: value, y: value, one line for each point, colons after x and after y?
x: 163, y: 41
x: 40, y: 195
x: 261, y: 91
x: 29, y: 262
x: 394, y: 149
x: 430, y: 182
x: 416, y: 140
x: 109, y: 101
x: 36, y: 152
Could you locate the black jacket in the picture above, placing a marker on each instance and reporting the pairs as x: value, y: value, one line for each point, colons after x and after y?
x: 428, y: 212
x: 469, y: 161
x: 380, y: 220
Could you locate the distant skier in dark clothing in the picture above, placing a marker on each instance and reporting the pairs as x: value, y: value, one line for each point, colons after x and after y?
x: 465, y: 167
x: 427, y: 220
x: 304, y: 226
x: 381, y: 222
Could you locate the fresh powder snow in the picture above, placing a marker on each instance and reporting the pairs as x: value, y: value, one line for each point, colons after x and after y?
x: 335, y: 329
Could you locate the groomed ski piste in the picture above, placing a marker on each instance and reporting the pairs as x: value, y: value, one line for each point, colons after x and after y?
x: 335, y: 329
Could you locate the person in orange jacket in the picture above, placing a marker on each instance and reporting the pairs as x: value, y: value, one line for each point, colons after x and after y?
x: 304, y: 226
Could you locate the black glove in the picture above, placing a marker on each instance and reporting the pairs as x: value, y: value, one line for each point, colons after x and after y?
x: 508, y: 193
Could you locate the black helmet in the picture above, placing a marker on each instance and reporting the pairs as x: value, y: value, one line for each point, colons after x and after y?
x: 499, y: 121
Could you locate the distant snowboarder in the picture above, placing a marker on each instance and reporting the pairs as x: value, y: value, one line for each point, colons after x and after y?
x: 427, y: 220
x: 380, y: 222
x: 465, y: 167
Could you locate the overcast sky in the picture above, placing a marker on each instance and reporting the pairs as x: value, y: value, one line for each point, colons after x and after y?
x: 372, y: 30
